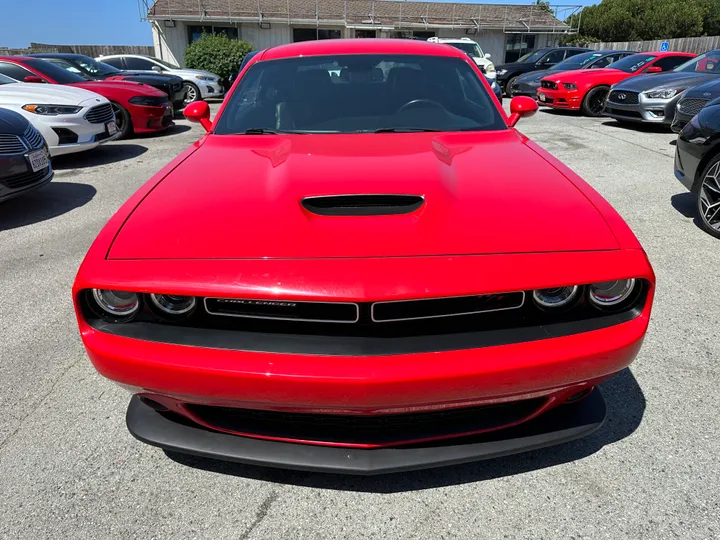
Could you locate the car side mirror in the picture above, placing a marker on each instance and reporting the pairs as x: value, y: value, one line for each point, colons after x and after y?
x: 199, y: 112
x: 521, y: 107
x: 654, y: 69
x: 34, y: 79
x: 487, y: 56
x: 157, y: 68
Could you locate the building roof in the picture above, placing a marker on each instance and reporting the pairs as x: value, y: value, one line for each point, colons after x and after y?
x: 385, y: 14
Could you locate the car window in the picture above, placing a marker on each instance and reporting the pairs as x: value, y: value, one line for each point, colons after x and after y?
x: 15, y: 72
x: 4, y: 79
x: 670, y: 62
x: 468, y: 47
x: 532, y: 56
x: 578, y: 61
x: 114, y: 62
x: 93, y: 66
x: 67, y: 66
x: 56, y: 73
x: 634, y: 62
x: 141, y: 64
x: 360, y: 93
x: 552, y: 58
x: 608, y: 60
x: 705, y: 63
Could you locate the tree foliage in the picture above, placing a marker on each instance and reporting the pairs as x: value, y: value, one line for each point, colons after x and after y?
x: 630, y: 20
x: 217, y: 54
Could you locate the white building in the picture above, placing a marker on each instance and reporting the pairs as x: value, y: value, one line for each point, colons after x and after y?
x: 504, y: 31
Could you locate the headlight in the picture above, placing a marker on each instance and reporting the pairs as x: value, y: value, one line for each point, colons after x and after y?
x: 569, y: 86
x: 116, y: 303
x: 51, y: 110
x: 611, y: 293
x: 204, y: 78
x: 664, y: 93
x: 502, y: 71
x: 555, y: 297
x: 490, y: 68
x: 173, y: 305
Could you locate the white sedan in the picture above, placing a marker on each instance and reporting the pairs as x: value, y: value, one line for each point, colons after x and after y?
x: 60, y: 113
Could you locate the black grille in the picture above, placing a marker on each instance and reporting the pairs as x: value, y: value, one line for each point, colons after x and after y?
x: 623, y: 97
x: 11, y: 144
x: 25, y: 179
x: 381, y: 430
x: 284, y: 310
x: 548, y: 84
x: 408, y: 310
x: 33, y: 137
x: 362, y: 205
x: 691, y: 106
x: 100, y: 114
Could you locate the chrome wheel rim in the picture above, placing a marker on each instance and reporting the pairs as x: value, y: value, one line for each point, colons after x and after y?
x: 119, y: 117
x: 190, y: 93
x: 709, y: 203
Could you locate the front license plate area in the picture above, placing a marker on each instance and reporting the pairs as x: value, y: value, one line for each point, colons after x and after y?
x: 38, y: 160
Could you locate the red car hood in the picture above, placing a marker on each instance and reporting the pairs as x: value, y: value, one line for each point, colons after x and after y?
x: 591, y: 76
x: 240, y: 197
x: 115, y: 87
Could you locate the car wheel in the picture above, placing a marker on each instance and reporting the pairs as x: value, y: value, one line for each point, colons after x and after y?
x: 508, y: 86
x: 708, y: 198
x: 594, y: 101
x: 192, y: 93
x: 122, y: 119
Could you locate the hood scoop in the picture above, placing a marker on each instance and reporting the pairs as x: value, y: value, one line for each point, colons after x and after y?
x: 362, y: 205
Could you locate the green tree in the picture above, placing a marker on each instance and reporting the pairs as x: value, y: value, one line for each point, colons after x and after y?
x: 217, y: 54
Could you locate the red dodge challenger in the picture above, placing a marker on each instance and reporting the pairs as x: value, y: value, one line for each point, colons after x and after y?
x: 136, y: 107
x: 586, y: 89
x: 333, y: 279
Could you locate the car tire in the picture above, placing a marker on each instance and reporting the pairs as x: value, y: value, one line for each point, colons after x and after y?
x: 192, y: 93
x: 593, y: 102
x: 509, y: 84
x: 123, y: 120
x: 708, y: 194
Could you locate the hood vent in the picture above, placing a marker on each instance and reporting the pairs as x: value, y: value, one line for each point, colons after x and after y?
x: 362, y: 205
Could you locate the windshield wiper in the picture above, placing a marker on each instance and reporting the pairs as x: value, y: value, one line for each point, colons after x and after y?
x: 260, y: 131
x: 403, y: 130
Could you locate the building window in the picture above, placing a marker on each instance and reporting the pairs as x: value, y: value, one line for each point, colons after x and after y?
x: 311, y: 34
x: 517, y: 45
x: 196, y: 31
x: 365, y: 33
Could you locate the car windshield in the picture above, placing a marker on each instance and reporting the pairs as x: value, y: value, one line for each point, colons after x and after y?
x: 705, y: 63
x: 93, y: 66
x: 56, y: 73
x: 6, y: 80
x: 577, y: 61
x: 532, y: 56
x: 471, y: 48
x: 359, y: 94
x: 166, y: 64
x: 633, y: 63
x: 69, y: 66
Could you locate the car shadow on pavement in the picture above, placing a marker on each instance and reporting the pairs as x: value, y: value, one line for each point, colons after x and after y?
x: 172, y: 130
x: 637, y: 126
x: 102, y: 155
x: 686, y: 204
x: 625, y: 409
x: 50, y: 201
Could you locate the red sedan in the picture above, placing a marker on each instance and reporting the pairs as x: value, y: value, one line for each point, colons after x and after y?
x: 137, y: 107
x: 587, y: 89
x: 353, y: 293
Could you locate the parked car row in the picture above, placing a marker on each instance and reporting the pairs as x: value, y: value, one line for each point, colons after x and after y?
x: 53, y: 104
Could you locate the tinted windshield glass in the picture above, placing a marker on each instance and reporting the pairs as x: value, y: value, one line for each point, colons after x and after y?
x: 632, y: 63
x: 6, y: 80
x: 56, y: 73
x: 532, y: 56
x: 577, y: 61
x: 360, y: 94
x: 166, y: 64
x: 705, y: 63
x: 468, y: 48
x: 95, y: 67
x: 73, y: 68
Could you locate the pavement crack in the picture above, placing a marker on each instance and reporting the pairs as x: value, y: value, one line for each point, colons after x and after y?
x: 261, y: 514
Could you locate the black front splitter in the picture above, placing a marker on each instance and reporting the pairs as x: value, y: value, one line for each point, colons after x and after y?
x: 559, y: 425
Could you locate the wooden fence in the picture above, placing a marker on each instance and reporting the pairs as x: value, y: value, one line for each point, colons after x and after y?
x: 695, y: 45
x: 89, y: 50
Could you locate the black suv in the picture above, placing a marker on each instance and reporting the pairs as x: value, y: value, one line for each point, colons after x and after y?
x: 538, y: 59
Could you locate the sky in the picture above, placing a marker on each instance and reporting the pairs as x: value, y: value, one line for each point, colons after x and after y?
x: 97, y: 22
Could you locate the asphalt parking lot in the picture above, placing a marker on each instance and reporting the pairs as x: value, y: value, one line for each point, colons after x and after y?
x: 69, y: 468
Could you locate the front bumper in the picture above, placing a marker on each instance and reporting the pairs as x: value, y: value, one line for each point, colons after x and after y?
x: 562, y: 424
x: 523, y: 89
x: 680, y: 121
x: 210, y: 89
x: 17, y: 178
x: 646, y: 110
x: 559, y: 99
x: 151, y: 119
x: 688, y: 157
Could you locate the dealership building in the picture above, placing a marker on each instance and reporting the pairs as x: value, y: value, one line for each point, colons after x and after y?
x: 504, y: 31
